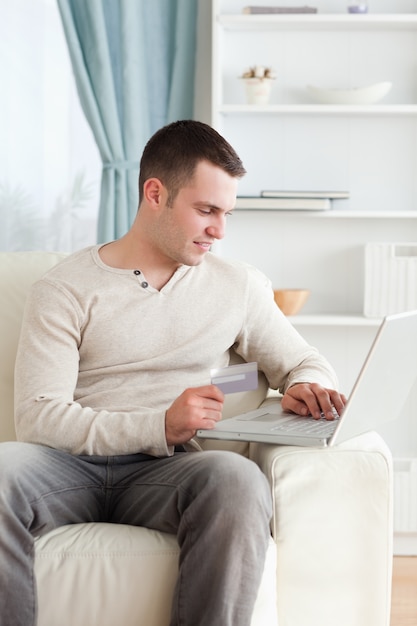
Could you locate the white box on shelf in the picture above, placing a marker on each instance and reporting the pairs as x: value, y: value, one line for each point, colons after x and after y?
x: 390, y: 278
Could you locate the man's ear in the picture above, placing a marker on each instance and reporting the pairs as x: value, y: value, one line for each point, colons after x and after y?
x: 153, y: 191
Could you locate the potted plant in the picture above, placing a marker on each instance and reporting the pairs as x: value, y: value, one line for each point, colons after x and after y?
x: 258, y: 84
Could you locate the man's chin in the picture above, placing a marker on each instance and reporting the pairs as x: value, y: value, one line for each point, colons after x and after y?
x: 194, y: 259
x: 195, y: 262
x: 196, y: 256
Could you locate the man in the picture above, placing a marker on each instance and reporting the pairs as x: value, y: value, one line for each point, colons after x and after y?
x: 112, y: 371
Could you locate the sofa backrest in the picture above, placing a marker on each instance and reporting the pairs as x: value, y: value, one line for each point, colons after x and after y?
x: 18, y: 271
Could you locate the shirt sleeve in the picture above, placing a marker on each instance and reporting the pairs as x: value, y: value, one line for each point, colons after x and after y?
x: 268, y: 337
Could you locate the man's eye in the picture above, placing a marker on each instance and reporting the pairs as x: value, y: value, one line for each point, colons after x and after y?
x: 211, y: 211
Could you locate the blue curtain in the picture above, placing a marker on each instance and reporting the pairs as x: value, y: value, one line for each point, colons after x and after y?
x: 133, y: 62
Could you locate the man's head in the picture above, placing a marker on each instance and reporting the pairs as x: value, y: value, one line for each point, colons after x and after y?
x: 173, y: 153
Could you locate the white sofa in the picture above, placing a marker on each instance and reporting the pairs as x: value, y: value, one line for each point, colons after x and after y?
x: 329, y: 561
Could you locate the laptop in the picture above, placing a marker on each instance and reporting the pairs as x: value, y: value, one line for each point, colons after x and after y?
x: 378, y: 396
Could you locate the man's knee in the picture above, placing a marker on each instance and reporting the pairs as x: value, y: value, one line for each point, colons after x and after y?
x: 235, y: 481
x: 16, y: 458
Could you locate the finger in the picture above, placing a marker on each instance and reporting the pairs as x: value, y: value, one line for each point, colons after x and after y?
x: 330, y: 400
x: 301, y: 399
x: 211, y: 408
x: 214, y: 415
x: 208, y: 424
x: 210, y: 391
x: 327, y: 400
x: 338, y: 400
x: 310, y: 394
x: 289, y: 403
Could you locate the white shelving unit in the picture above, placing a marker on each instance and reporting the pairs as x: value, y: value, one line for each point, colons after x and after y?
x: 293, y: 143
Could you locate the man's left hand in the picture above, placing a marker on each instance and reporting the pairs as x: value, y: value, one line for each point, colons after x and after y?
x: 313, y: 399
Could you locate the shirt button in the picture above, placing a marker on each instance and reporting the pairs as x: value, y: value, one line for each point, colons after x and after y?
x: 137, y: 272
x: 145, y: 284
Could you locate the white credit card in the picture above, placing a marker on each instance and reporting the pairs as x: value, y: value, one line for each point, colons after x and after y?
x: 235, y: 378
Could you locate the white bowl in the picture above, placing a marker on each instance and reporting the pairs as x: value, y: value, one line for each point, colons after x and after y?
x: 361, y: 95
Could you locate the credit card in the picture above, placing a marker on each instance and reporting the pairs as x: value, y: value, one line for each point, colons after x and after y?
x: 235, y: 378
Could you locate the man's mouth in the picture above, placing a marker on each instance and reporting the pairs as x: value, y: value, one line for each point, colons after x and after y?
x: 204, y: 245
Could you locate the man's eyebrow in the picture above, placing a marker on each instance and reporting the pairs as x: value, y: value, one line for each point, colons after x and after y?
x: 207, y: 205
x: 212, y: 207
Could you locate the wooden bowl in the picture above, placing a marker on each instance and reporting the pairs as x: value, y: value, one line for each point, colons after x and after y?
x: 291, y: 301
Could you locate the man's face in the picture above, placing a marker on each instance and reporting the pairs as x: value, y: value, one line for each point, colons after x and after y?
x: 197, y: 217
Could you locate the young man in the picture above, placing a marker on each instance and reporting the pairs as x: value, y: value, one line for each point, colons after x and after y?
x: 113, y: 370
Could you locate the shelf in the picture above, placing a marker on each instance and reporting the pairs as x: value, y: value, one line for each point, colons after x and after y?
x: 319, y: 109
x: 330, y: 319
x: 319, y: 21
x: 338, y: 214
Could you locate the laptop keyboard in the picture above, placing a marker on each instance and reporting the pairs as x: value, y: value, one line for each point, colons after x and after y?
x: 307, y: 426
x: 297, y: 424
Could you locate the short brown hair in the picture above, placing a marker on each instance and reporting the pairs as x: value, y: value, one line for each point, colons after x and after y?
x: 173, y: 152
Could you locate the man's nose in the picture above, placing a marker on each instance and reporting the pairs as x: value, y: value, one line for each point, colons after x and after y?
x: 217, y: 228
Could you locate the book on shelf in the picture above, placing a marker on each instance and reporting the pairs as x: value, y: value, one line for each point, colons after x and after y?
x: 283, y: 204
x: 275, y: 9
x: 333, y: 195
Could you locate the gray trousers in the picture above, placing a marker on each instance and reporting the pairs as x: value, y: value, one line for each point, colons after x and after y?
x: 218, y: 504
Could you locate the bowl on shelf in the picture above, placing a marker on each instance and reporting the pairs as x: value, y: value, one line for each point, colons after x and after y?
x: 361, y: 95
x: 291, y: 301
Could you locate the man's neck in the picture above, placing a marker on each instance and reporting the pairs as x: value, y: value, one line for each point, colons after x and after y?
x: 128, y: 253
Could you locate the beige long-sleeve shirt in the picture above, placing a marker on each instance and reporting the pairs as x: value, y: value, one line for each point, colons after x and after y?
x: 102, y: 354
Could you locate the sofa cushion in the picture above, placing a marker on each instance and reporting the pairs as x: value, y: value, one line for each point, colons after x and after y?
x: 129, y: 572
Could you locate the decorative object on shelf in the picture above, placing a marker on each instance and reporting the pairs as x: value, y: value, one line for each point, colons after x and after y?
x: 357, y: 7
x: 361, y: 95
x: 267, y: 9
x: 291, y: 301
x: 258, y: 84
x: 390, y: 278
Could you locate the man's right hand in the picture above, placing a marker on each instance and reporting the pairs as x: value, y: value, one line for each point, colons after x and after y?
x: 197, y: 407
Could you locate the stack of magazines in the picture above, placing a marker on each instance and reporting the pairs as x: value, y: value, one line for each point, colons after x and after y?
x: 291, y: 200
x: 267, y: 9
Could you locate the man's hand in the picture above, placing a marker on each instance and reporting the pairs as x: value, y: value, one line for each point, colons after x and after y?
x: 198, y: 407
x: 313, y: 399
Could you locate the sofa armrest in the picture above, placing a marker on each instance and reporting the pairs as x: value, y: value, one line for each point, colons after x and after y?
x: 332, y: 525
